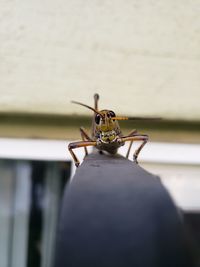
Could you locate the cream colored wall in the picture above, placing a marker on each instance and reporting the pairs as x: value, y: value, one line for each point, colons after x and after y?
x: 143, y: 57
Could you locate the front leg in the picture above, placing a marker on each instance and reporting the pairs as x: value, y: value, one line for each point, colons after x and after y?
x: 77, y: 145
x: 135, y: 156
x: 132, y: 133
x: 136, y: 137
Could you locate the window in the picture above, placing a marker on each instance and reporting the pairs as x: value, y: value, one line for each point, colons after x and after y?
x: 33, y: 174
x: 30, y: 196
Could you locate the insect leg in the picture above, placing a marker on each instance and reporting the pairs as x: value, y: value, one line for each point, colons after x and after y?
x: 85, y: 136
x: 135, y: 156
x: 130, y: 145
x: 136, y: 137
x: 77, y: 145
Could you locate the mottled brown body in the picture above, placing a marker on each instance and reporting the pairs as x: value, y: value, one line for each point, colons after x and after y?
x: 106, y: 134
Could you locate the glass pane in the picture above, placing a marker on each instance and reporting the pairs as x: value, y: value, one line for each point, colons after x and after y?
x: 6, y: 208
x: 30, y: 194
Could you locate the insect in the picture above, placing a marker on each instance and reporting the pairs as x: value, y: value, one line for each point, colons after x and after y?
x: 106, y: 133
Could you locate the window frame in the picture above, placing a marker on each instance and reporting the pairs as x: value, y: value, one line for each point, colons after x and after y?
x: 160, y: 153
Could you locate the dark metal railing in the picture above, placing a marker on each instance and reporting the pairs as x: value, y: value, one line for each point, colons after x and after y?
x: 116, y: 214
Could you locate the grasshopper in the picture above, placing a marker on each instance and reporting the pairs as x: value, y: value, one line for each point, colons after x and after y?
x: 106, y: 133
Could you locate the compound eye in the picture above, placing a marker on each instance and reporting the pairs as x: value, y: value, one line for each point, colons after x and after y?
x: 97, y: 118
x: 111, y: 114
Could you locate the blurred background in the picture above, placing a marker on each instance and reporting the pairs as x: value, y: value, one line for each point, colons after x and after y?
x: 142, y: 57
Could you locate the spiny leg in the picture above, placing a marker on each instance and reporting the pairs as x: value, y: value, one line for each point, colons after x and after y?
x: 77, y: 145
x: 130, y: 145
x: 136, y: 137
x: 85, y: 137
x: 135, y: 156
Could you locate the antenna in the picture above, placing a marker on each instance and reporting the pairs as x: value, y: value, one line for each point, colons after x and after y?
x: 84, y: 105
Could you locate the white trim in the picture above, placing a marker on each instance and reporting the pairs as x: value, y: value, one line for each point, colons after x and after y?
x: 52, y: 150
x: 35, y: 149
x: 178, y: 156
x: 168, y: 153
